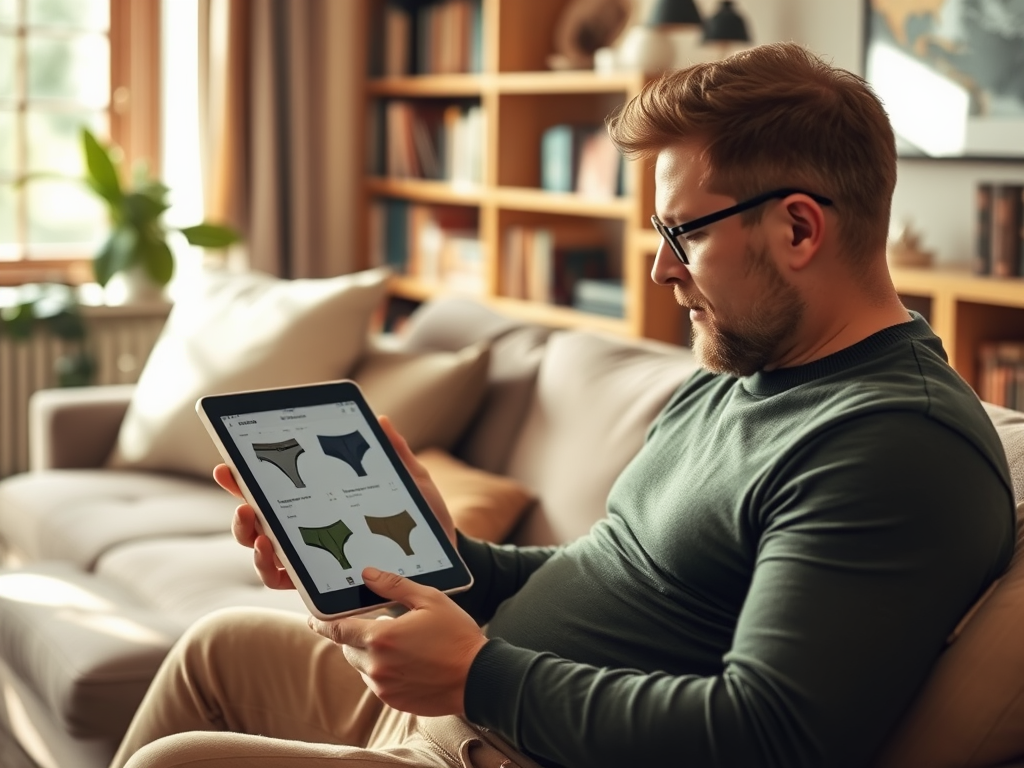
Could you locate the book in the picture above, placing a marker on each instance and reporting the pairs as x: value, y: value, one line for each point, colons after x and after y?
x: 983, y: 229
x: 598, y: 168
x: 559, y: 156
x: 1006, y: 229
x: 602, y: 297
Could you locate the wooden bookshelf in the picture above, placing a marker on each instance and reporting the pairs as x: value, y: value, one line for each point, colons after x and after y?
x: 965, y: 310
x: 520, y: 98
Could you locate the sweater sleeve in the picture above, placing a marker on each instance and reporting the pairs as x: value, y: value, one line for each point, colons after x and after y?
x: 872, y: 546
x: 498, y: 573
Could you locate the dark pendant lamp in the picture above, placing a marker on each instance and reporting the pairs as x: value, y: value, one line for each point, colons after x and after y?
x: 667, y: 13
x: 726, y: 26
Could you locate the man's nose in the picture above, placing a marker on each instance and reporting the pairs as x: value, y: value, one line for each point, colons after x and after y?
x: 668, y: 269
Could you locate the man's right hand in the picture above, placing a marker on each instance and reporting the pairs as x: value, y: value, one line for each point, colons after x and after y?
x: 247, y: 531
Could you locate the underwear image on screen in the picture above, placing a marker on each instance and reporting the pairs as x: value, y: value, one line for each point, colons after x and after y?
x: 331, y: 538
x: 397, y: 528
x: 284, y: 456
x: 349, y: 448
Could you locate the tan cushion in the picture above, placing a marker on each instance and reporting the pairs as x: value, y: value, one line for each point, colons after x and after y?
x: 971, y: 710
x: 483, y: 505
x: 430, y: 397
x: 237, y: 332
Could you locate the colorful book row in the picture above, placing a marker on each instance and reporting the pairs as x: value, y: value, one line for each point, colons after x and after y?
x: 426, y: 38
x: 1001, y: 373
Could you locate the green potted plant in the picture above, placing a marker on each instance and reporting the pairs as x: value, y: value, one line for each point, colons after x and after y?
x: 138, y: 237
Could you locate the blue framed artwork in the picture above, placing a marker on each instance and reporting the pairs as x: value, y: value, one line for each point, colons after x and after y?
x: 950, y: 73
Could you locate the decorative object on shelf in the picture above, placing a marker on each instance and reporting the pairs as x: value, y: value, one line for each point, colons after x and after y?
x: 950, y: 75
x: 725, y: 29
x: 653, y: 46
x: 905, y: 249
x: 137, y: 245
x: 52, y: 308
x: 584, y: 27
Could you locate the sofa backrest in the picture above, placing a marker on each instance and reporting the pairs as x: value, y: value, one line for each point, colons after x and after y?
x: 565, y: 411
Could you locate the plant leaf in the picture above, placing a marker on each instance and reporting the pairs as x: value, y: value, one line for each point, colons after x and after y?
x: 141, y: 209
x: 157, y: 259
x: 67, y: 325
x: 207, y: 235
x: 117, y: 254
x: 101, y: 172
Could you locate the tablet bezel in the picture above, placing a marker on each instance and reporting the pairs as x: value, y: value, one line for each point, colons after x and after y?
x: 348, y: 599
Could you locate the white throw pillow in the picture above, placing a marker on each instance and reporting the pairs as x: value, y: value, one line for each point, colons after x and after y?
x: 238, y: 332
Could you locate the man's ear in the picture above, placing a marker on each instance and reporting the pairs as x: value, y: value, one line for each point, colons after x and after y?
x: 805, y: 230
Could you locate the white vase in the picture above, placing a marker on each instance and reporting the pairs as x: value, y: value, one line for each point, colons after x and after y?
x: 133, y: 286
x: 647, y: 49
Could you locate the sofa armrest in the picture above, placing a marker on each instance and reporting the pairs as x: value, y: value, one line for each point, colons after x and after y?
x: 75, y: 428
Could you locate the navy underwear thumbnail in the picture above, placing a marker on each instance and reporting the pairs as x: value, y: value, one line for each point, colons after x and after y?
x: 349, y: 448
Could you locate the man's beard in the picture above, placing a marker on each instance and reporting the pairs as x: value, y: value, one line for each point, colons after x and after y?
x: 753, y: 341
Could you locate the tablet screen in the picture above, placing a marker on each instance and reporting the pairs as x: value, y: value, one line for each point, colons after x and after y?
x: 336, y: 494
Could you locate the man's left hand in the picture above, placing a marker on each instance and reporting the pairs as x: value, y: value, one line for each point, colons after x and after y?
x: 417, y: 662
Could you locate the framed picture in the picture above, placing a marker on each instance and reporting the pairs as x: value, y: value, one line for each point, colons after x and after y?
x: 950, y: 74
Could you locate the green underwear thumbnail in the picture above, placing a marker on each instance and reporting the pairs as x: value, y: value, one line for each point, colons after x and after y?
x: 331, y: 538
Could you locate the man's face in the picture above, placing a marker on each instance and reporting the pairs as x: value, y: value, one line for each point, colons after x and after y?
x: 743, y: 312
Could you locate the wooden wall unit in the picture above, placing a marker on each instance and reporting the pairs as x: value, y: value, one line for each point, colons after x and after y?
x: 521, y: 98
x: 965, y: 310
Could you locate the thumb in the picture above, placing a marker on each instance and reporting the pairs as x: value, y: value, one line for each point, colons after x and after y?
x: 397, y: 588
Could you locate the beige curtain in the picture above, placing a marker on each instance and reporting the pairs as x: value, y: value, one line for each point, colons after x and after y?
x: 281, y: 106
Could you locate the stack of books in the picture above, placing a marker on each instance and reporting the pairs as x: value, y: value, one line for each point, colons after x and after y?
x: 1000, y: 229
x: 425, y: 139
x: 539, y: 264
x: 1001, y: 373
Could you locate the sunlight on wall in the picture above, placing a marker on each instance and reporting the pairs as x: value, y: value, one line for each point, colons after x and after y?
x: 180, y: 109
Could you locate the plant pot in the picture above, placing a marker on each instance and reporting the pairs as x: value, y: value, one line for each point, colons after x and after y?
x: 134, y: 286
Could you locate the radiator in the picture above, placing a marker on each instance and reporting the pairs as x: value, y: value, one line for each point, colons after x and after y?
x: 118, y: 338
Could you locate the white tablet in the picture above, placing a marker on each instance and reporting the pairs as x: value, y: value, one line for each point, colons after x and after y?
x: 331, y: 493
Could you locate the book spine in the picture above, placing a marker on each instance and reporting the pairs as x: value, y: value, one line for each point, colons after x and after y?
x: 1006, y: 225
x: 983, y: 224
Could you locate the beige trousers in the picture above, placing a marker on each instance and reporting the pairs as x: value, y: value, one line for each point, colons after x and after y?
x: 258, y: 688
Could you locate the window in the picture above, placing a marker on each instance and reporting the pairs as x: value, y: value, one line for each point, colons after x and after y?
x: 64, y: 64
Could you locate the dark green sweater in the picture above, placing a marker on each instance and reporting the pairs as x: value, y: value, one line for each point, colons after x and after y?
x: 780, y: 567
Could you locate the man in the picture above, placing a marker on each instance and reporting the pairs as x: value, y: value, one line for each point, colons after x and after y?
x: 781, y: 563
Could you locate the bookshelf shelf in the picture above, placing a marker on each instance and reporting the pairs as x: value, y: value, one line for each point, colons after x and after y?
x: 422, y: 190
x: 966, y: 310
x: 463, y: 86
x: 567, y: 203
x: 566, y: 82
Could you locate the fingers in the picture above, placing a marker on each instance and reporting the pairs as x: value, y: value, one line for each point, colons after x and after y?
x: 226, y: 480
x: 268, y: 566
x: 244, y: 526
x: 398, y: 588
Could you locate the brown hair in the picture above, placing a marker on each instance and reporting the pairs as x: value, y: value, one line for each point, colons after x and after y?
x: 776, y: 116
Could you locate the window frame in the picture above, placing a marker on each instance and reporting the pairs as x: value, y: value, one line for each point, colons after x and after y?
x: 134, y: 119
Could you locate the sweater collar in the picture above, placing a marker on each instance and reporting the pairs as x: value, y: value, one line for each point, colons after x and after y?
x: 766, y: 383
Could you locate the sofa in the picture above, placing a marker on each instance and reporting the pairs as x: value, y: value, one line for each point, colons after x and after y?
x: 106, y: 562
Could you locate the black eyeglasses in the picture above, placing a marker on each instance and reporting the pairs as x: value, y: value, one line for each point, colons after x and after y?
x: 671, y: 234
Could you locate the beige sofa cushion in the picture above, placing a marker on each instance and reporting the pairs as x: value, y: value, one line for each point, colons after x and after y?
x: 483, y: 505
x: 595, y: 398
x: 430, y: 397
x: 77, y: 515
x: 970, y: 713
x: 238, y: 332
